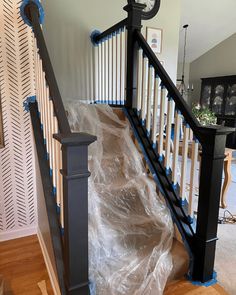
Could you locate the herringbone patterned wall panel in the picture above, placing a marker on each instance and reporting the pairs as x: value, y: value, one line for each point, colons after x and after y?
x: 17, y: 178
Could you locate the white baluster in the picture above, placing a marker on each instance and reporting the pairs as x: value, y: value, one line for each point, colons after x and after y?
x: 194, y: 160
x: 110, y: 69
x: 123, y: 54
x: 103, y: 72
x: 99, y: 72
x: 144, y: 89
x: 150, y: 98
x: 184, y: 163
x: 178, y: 120
x: 162, y: 122
x: 106, y: 70
x: 114, y: 78
x: 61, y: 192
x: 155, y: 111
x: 118, y: 65
x: 96, y: 72
x: 168, y: 134
x: 140, y: 76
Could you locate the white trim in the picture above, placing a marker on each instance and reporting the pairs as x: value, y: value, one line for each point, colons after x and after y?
x: 18, y: 233
x: 50, y: 269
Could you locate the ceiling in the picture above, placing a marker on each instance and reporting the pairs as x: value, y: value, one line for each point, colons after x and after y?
x: 210, y: 22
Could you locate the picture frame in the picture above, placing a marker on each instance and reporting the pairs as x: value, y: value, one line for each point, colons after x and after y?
x: 154, y: 39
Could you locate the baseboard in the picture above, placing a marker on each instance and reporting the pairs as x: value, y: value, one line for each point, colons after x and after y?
x: 50, y: 269
x: 18, y: 233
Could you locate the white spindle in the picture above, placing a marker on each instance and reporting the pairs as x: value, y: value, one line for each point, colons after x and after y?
x: 144, y: 89
x: 140, y: 76
x: 184, y: 163
x: 176, y: 147
x: 118, y: 66
x: 162, y: 121
x: 61, y: 191
x: 110, y: 68
x: 103, y: 71
x: 123, y: 48
x: 96, y: 72
x: 194, y: 159
x: 149, y: 98
x: 168, y: 134
x: 99, y: 72
x: 53, y: 155
x: 106, y: 42
x: 155, y: 109
x: 114, y: 78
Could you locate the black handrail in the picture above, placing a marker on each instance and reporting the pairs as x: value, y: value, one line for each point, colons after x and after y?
x: 32, y: 12
x: 111, y: 30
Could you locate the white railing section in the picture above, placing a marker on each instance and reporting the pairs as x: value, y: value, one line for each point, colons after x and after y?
x: 176, y: 146
x: 49, y: 126
x: 110, y: 55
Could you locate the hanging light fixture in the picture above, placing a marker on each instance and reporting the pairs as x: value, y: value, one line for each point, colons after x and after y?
x: 183, y: 89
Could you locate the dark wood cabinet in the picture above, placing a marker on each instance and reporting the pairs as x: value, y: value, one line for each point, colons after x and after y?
x: 219, y: 94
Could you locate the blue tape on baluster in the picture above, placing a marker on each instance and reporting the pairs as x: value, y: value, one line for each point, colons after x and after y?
x: 154, y: 145
x: 93, y: 37
x: 169, y: 97
x: 143, y: 122
x: 26, y: 103
x: 162, y: 85
x: 50, y: 172
x: 62, y: 231
x: 161, y: 158
x: 168, y: 171
x: 41, y: 126
x: 54, y: 191
x: 190, y: 219
x: 183, y: 202
x: 58, y: 210
x: 209, y: 283
x: 174, y: 186
x: 40, y: 9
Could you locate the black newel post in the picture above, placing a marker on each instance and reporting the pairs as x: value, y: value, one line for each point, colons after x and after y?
x: 134, y: 23
x: 213, y: 154
x: 75, y: 191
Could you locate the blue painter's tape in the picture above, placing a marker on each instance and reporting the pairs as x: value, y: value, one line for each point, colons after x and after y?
x: 93, y: 37
x: 41, y: 126
x: 174, y: 186
x: 30, y: 99
x: 54, y: 191
x: 156, y: 76
x: 161, y: 158
x: 58, y: 210
x: 168, y: 170
x: 50, y: 172
x: 212, y: 282
x: 143, y: 122
x: 190, y: 219
x: 148, y: 133
x: 154, y: 145
x: 62, y: 231
x: 183, y: 202
x: 113, y: 34
x: 40, y: 9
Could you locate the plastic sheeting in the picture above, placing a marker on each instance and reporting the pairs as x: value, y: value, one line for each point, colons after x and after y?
x: 130, y: 227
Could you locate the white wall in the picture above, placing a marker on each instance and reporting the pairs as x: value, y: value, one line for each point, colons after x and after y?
x: 219, y: 61
x: 18, y: 213
x: 67, y: 28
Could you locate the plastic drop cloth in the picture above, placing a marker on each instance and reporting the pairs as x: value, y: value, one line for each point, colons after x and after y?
x: 130, y: 227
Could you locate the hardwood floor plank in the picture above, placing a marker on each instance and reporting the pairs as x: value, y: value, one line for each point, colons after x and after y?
x: 22, y: 266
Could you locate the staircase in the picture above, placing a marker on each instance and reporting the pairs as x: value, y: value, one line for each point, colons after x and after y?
x: 126, y: 73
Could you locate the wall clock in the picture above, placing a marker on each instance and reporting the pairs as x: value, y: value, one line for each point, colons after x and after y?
x: 151, y: 9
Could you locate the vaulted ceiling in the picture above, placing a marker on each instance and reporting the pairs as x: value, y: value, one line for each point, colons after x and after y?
x: 210, y: 22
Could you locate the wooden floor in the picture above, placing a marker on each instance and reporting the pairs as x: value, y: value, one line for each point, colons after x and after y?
x: 22, y: 266
x: 186, y: 288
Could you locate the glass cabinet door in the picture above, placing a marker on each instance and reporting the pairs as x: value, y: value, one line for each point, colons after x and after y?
x: 218, y: 99
x: 206, y: 96
x: 230, y: 102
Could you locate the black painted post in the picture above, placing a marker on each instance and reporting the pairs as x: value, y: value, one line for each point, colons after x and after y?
x: 75, y: 192
x: 134, y: 23
x: 213, y: 154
